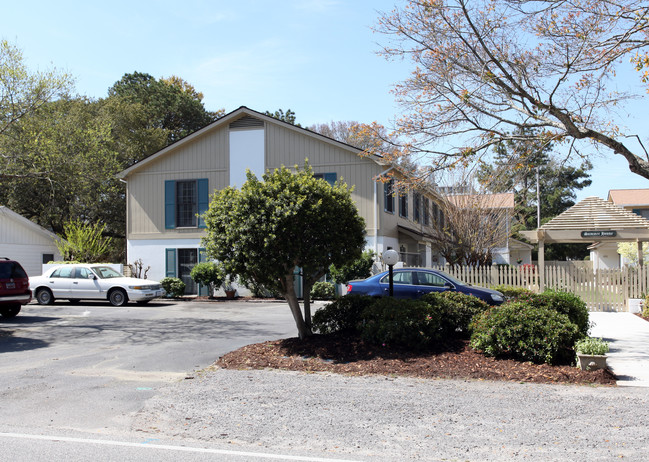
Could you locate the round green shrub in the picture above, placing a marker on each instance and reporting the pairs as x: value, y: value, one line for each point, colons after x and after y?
x: 208, y: 274
x: 343, y: 315
x: 406, y: 323
x: 527, y: 333
x: 565, y: 303
x: 323, y: 291
x: 174, y: 286
x: 455, y: 310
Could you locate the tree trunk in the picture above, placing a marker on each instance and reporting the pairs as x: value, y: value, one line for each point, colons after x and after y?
x: 303, y: 330
x: 307, y: 304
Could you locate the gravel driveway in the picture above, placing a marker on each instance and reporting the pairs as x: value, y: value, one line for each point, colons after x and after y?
x: 390, y: 419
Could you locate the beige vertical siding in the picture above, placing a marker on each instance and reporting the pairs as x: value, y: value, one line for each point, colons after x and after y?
x: 289, y: 148
x: 205, y: 157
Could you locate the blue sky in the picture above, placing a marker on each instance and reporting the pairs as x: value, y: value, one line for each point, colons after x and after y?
x: 316, y: 57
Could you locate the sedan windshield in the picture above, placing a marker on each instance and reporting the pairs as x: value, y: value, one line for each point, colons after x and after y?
x: 106, y: 272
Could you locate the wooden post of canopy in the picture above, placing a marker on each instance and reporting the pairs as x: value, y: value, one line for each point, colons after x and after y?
x: 640, y: 256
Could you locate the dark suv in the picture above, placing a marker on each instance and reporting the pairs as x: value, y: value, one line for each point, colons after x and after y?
x: 14, y: 288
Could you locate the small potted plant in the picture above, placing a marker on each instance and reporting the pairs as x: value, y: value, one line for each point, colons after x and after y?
x: 591, y: 353
x: 228, y: 288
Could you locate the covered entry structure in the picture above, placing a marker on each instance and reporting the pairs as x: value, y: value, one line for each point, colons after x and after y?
x: 592, y: 220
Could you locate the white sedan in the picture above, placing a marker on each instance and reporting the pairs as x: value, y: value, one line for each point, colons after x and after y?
x: 75, y: 282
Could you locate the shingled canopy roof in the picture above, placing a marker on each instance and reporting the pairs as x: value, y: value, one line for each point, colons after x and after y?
x: 593, y: 219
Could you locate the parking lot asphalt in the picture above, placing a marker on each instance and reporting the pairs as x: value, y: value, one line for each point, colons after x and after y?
x: 89, y: 367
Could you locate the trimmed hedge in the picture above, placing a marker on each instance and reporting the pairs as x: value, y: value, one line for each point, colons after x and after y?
x: 406, y: 323
x: 565, y: 303
x: 343, y: 315
x: 175, y: 287
x: 455, y: 310
x: 526, y: 333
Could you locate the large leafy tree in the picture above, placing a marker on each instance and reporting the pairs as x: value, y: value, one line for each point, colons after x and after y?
x: 288, y: 220
x: 170, y: 104
x: 60, y: 154
x: 23, y: 92
x: 486, y: 68
x: 65, y: 167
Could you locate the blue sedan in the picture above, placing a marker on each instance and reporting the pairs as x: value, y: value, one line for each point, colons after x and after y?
x: 415, y: 282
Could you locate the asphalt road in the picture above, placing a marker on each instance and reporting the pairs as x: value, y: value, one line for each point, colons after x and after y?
x: 83, y: 371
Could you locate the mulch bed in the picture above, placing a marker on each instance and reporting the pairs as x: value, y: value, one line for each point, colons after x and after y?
x: 345, y: 355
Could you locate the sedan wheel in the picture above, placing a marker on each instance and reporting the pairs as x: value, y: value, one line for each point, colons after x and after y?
x: 117, y: 297
x: 44, y: 297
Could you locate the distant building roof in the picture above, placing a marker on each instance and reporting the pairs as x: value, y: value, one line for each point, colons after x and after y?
x: 484, y: 201
x: 629, y: 197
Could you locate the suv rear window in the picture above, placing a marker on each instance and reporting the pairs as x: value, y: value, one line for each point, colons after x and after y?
x: 11, y: 269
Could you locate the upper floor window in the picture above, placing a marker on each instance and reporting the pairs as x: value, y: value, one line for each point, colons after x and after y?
x: 403, y: 204
x: 185, y: 201
x: 328, y: 177
x: 388, y: 195
x: 416, y: 206
x: 426, y: 211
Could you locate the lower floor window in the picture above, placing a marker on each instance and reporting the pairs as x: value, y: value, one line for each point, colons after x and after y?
x: 187, y: 259
x: 180, y: 262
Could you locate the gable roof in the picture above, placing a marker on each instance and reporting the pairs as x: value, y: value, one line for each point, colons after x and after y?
x: 238, y: 114
x: 7, y: 212
x: 595, y: 213
x: 629, y: 197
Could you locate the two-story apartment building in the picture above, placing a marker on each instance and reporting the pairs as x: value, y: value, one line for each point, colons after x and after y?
x: 169, y: 190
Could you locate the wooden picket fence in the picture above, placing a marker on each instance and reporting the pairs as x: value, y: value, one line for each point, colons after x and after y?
x: 602, y: 290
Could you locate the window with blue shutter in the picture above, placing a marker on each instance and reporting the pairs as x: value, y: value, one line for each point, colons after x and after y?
x: 185, y: 201
x: 170, y: 204
x: 203, y: 200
